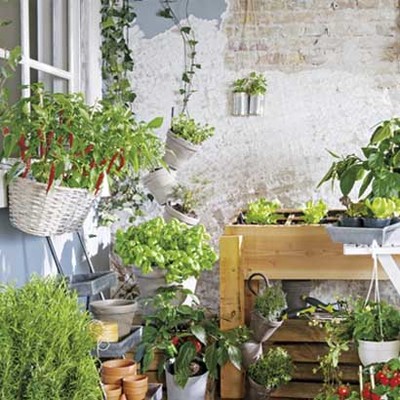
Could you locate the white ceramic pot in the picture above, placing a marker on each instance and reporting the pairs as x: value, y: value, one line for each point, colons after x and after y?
x: 3, y: 189
x: 240, y: 104
x: 178, y: 151
x: 257, y: 104
x: 160, y: 184
x: 170, y: 213
x: 377, y: 352
x: 195, y: 388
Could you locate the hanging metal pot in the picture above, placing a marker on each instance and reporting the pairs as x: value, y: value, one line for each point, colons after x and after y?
x: 257, y: 104
x: 240, y: 104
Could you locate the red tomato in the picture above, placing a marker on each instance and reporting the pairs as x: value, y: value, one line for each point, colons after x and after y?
x: 367, y: 391
x: 394, y: 382
x: 196, y: 343
x: 384, y: 380
x: 175, y: 340
x: 343, y: 391
x: 375, y: 396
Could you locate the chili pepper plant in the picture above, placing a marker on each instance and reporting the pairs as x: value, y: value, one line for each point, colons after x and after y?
x: 59, y: 139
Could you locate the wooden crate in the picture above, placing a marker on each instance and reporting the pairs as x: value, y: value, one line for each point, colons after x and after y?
x: 280, y: 252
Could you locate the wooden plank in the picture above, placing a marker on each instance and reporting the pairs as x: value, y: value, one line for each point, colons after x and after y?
x: 231, y: 307
x: 298, y: 330
x: 305, y: 372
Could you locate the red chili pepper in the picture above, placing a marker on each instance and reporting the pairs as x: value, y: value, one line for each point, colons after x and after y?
x: 121, y: 162
x: 51, y: 177
x: 42, y: 149
x: 110, y: 165
x: 71, y: 139
x: 6, y: 131
x: 103, y: 162
x: 99, y: 182
x: 49, y: 140
x: 27, y: 167
x: 22, y: 147
x: 92, y: 164
x: 89, y: 149
x: 60, y: 140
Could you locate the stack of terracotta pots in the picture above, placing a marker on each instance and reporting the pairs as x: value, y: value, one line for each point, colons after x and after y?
x: 121, y: 381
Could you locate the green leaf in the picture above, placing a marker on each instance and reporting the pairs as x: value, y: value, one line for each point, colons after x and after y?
x: 211, y: 360
x: 186, y: 29
x: 366, y: 182
x: 349, y: 178
x: 200, y: 333
x: 185, y: 77
x: 147, y: 359
x: 235, y: 356
x: 155, y: 123
x: 382, y: 132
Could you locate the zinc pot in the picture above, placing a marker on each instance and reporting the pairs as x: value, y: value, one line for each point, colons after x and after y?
x: 377, y: 352
x: 160, y: 183
x: 113, y: 371
x: 351, y: 222
x: 376, y: 222
x: 120, y: 311
x: 256, y: 391
x: 256, y: 106
x: 295, y: 290
x: 251, y: 352
x: 170, y: 212
x: 263, y: 328
x: 135, y: 387
x: 3, y: 189
x: 178, y: 150
x: 240, y: 104
x: 195, y: 388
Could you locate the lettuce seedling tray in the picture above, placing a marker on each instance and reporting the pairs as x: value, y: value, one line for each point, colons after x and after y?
x: 388, y: 236
x: 91, y: 284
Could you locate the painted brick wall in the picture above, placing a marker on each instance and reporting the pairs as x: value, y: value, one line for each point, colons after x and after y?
x: 333, y: 73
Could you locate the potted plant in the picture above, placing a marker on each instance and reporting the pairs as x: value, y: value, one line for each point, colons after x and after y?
x: 240, y: 97
x: 256, y: 88
x: 163, y: 253
x: 262, y: 212
x: 314, y: 212
x: 182, y: 206
x: 46, y: 341
x: 160, y: 182
x: 353, y: 214
x: 184, y: 139
x: 380, y: 212
x: 66, y: 150
x: 191, y: 343
x: 273, y: 369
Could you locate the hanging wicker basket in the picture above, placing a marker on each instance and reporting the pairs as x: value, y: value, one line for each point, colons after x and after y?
x: 38, y: 213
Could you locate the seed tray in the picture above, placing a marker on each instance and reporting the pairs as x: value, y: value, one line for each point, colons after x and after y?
x: 91, y: 284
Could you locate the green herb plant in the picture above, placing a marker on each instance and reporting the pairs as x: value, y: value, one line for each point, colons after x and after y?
x: 272, y: 369
x: 271, y: 303
x: 179, y: 250
x: 187, y: 128
x: 45, y: 342
x: 314, y: 211
x: 190, y: 336
x: 240, y: 85
x: 7, y: 69
x: 381, y: 208
x: 256, y: 84
x: 186, y: 198
x: 354, y: 210
x: 262, y: 212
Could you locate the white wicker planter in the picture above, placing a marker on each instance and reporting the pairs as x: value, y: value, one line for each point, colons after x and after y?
x: 36, y: 212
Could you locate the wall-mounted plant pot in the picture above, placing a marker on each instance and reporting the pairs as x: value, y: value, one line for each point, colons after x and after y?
x: 240, y: 104
x: 170, y: 212
x: 377, y: 352
x: 263, y: 328
x: 178, y: 151
x: 251, y: 352
x: 376, y: 222
x: 296, y: 291
x: 352, y: 222
x: 3, y: 189
x: 256, y: 106
x: 256, y: 391
x: 160, y: 183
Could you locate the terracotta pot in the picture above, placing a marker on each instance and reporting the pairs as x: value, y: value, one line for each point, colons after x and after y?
x: 262, y: 328
x: 135, y: 387
x: 113, y: 392
x: 113, y: 371
x: 123, y: 397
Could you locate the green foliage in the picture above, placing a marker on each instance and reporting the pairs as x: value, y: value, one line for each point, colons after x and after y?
x: 187, y: 334
x: 272, y: 369
x: 240, y: 85
x: 257, y: 84
x: 271, y: 303
x: 180, y: 250
x: 262, y: 212
x: 358, y: 209
x: 378, y: 169
x: 381, y: 208
x: 188, y: 199
x: 188, y: 129
x: 45, y: 343
x: 314, y: 212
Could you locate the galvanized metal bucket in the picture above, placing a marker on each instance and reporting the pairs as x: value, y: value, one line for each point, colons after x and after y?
x: 240, y: 104
x: 257, y: 104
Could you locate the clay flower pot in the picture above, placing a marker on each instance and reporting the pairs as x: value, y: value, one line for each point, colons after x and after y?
x: 135, y: 387
x: 113, y: 392
x: 113, y: 371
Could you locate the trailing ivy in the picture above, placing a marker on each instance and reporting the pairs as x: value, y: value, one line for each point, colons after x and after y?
x: 117, y: 58
x: 189, y: 47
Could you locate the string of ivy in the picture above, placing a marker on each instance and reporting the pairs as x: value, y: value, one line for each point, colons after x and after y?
x: 117, y: 60
x: 189, y: 47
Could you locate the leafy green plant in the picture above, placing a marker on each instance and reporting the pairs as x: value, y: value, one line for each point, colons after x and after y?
x: 180, y: 250
x: 186, y: 198
x: 271, y: 303
x: 45, y: 344
x: 262, y: 212
x: 272, y: 369
x: 190, y: 336
x: 257, y: 84
x: 354, y: 210
x: 314, y: 211
x: 188, y: 129
x: 240, y: 85
x: 381, y: 208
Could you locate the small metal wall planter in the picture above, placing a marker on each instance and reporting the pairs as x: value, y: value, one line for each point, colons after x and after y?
x: 256, y: 106
x: 240, y: 104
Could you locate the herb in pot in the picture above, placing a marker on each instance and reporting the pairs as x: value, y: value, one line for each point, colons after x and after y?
x: 262, y: 212
x: 257, y: 84
x: 188, y: 129
x: 314, y: 211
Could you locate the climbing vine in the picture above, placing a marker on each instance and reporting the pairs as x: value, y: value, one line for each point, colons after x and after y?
x: 117, y: 60
x: 189, y: 47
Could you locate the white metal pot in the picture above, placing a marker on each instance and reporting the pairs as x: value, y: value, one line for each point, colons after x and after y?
x: 178, y: 150
x: 170, y: 213
x: 257, y: 104
x: 240, y: 104
x: 3, y: 189
x: 377, y: 352
x: 160, y: 184
x: 195, y: 388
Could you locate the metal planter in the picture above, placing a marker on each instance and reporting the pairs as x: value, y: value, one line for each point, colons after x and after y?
x: 256, y: 106
x: 240, y: 104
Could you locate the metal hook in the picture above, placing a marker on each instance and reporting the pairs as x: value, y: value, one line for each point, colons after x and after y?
x: 265, y: 279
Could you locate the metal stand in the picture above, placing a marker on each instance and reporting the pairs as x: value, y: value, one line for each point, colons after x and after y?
x: 383, y: 254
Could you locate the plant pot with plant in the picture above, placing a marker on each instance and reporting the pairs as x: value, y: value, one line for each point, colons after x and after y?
x: 352, y: 218
x: 182, y: 206
x: 379, y: 212
x: 314, y: 212
x: 273, y: 369
x: 184, y: 140
x: 160, y: 183
x: 256, y: 88
x: 261, y: 212
x: 191, y: 343
x: 240, y: 97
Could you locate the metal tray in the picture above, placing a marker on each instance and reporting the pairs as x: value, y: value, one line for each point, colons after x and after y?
x: 388, y: 236
x: 91, y: 284
x: 155, y: 391
x: 119, y: 349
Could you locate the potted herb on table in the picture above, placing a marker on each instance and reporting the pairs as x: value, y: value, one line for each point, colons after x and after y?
x: 380, y: 212
x: 184, y: 139
x: 240, y: 97
x: 256, y: 88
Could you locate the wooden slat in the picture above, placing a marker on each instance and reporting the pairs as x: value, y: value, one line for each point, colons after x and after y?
x: 298, y: 330
x: 305, y: 372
